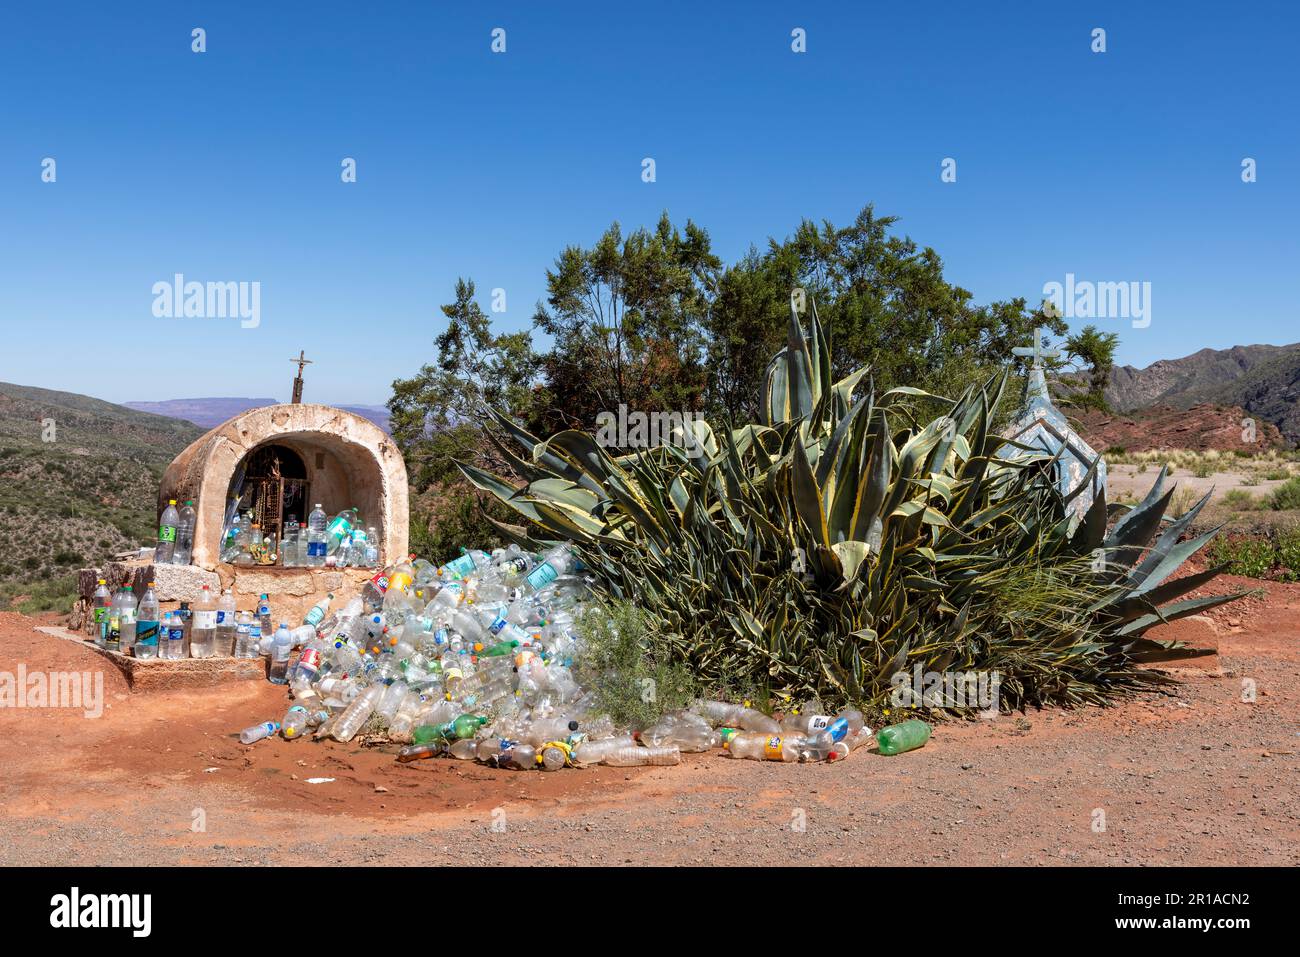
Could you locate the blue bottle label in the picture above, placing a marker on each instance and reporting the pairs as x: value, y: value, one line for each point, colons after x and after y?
x: 316, y: 549
x: 461, y: 566
x: 146, y: 632
x: 542, y: 575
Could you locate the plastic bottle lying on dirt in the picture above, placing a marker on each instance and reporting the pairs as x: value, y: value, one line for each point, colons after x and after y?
x: 258, y: 731
x: 765, y: 747
x: 594, y: 752
x: 634, y: 756
x: 905, y: 736
x: 722, y: 713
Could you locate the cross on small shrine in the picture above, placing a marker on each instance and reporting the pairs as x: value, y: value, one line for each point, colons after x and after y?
x: 302, y: 360
x: 1037, y: 351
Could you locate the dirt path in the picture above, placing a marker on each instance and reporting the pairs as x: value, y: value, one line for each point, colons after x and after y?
x: 1194, y: 777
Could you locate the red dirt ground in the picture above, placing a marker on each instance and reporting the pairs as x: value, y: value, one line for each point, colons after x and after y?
x: 1196, y: 776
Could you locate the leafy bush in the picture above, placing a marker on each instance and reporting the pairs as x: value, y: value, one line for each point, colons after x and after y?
x: 1287, y: 495
x: 1240, y: 500
x: 626, y: 668
x: 1251, y: 556
x: 841, y: 540
x: 1288, y: 551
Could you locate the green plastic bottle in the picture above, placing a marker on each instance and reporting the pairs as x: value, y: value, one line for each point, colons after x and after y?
x: 463, y: 727
x: 906, y: 736
x: 503, y: 648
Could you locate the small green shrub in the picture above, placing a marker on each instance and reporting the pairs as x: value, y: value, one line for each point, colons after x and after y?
x: 1249, y: 556
x: 1277, y: 475
x: 632, y: 681
x: 1287, y: 495
x: 1240, y: 500
x: 1115, y: 450
x: 1288, y: 551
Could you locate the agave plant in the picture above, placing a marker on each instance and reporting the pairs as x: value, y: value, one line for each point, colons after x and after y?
x: 849, y: 537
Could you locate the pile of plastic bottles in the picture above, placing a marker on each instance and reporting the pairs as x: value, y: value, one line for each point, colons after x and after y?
x: 473, y: 660
x: 326, y: 541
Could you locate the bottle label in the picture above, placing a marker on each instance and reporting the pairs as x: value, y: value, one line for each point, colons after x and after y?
x: 176, y: 633
x: 380, y: 582
x: 542, y: 575
x: 462, y: 566
x: 819, y: 722
x: 101, y: 615
x: 497, y: 624
x: 315, y: 549
x: 146, y: 633
x: 221, y: 617
x: 314, y: 616
x: 310, y: 658
x: 205, y: 619
x: 166, y: 533
x: 772, y: 748
x: 401, y: 581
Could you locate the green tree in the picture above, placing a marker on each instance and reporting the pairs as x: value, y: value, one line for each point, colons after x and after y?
x: 626, y: 318
x: 1096, y: 350
x: 437, y: 417
x: 882, y: 297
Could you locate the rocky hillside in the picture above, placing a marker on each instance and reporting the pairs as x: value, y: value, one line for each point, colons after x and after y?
x: 78, y: 483
x: 1199, y: 428
x: 1264, y: 380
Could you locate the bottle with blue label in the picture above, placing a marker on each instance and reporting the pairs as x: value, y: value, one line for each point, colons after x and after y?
x: 316, y: 537
x: 264, y: 613
x: 560, y: 560
x: 173, y: 646
x: 147, y: 625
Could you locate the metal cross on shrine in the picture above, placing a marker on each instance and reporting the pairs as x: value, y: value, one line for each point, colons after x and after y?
x: 1037, y: 351
x: 302, y: 360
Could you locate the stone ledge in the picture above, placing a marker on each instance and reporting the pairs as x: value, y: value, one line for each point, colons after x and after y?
x: 159, y: 674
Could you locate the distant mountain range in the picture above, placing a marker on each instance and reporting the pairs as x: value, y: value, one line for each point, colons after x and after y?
x: 213, y: 411
x: 1263, y: 380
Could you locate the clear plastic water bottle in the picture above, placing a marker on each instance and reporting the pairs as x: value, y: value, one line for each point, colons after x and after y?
x: 203, y: 626
x: 258, y: 731
x: 289, y: 543
x: 560, y: 560
x: 185, y: 534
x: 126, y: 621
x: 281, y: 648
x: 316, y: 543
x: 166, y: 550
x: 245, y: 646
x: 112, y: 630
x: 174, y: 645
x: 100, y: 604
x: 264, y: 613
x: 226, y: 625
x: 147, y: 625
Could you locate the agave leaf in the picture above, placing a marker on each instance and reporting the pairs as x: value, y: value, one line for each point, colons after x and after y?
x: 1180, y: 609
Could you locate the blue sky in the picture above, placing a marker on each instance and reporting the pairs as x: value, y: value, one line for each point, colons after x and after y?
x: 225, y: 165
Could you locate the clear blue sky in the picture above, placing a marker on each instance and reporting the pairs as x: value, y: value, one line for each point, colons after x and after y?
x: 225, y: 165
